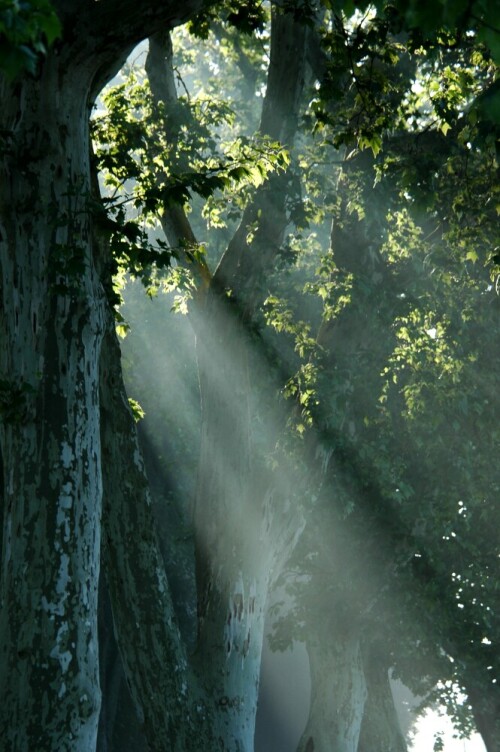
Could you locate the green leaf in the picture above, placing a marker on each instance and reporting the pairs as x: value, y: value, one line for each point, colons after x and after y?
x: 137, y: 411
x: 27, y: 29
x: 51, y: 27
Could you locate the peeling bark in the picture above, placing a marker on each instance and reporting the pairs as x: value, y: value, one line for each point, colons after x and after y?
x: 338, y: 692
x: 51, y: 327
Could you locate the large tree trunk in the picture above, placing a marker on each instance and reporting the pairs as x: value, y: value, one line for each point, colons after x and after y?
x: 51, y: 326
x: 119, y: 726
x: 51, y: 323
x: 486, y: 710
x: 245, y: 525
x: 151, y: 648
x: 234, y: 556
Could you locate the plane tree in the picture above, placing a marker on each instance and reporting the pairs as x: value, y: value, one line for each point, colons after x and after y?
x: 68, y: 434
x: 355, y: 260
x: 413, y: 263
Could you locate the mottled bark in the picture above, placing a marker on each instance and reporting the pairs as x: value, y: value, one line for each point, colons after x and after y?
x: 51, y: 326
x: 338, y: 690
x: 51, y: 322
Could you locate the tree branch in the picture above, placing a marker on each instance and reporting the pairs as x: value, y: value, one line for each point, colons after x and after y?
x: 244, y: 265
x: 176, y: 225
x: 100, y: 35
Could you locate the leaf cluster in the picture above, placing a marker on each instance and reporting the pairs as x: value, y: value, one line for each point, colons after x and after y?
x: 148, y: 171
x: 27, y: 29
x: 245, y: 17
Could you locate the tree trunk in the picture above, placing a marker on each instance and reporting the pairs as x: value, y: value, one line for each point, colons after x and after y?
x: 119, y: 727
x: 51, y: 323
x: 338, y: 692
x: 50, y: 328
x: 486, y: 711
x: 152, y: 651
x: 246, y: 523
x: 380, y: 729
x: 233, y: 555
x: 244, y: 528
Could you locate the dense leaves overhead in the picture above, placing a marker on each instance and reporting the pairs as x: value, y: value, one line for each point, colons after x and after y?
x: 380, y: 312
x: 27, y: 29
x: 148, y: 171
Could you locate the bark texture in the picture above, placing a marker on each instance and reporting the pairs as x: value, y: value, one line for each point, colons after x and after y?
x: 152, y: 651
x: 51, y: 325
x: 338, y: 693
x: 380, y: 729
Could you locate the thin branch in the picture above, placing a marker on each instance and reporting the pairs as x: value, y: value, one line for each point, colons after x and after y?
x: 174, y: 220
x: 242, y: 267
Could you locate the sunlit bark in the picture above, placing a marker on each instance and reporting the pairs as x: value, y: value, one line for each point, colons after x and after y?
x: 234, y: 553
x: 241, y: 531
x: 51, y: 323
x: 338, y: 690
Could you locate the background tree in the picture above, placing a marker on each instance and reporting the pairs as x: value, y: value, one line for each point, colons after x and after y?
x: 378, y: 489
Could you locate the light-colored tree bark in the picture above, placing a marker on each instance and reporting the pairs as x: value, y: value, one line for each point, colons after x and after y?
x: 241, y: 535
x: 338, y: 690
x: 51, y: 325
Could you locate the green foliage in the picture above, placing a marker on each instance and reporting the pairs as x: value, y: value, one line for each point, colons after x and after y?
x: 136, y: 409
x: 245, y: 17
x: 132, y: 145
x: 381, y: 74
x: 27, y: 30
x: 405, y: 382
x: 381, y: 311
